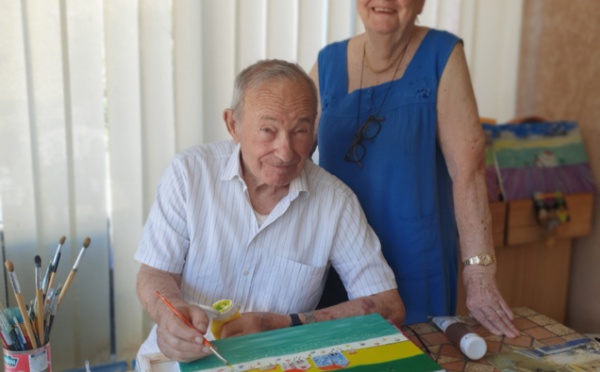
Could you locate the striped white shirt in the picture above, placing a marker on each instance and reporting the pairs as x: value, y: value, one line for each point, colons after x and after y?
x: 202, y: 226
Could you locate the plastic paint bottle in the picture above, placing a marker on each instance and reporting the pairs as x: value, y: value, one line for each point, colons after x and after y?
x: 227, y: 312
x: 470, y: 343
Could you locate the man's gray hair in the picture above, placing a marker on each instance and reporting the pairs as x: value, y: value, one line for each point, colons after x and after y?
x: 264, y: 71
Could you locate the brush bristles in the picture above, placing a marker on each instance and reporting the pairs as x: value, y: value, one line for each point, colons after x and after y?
x: 86, y: 242
x: 62, y: 240
x: 9, y: 265
x: 38, y: 261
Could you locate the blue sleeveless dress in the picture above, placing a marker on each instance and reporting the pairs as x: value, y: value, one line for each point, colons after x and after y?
x: 404, y: 185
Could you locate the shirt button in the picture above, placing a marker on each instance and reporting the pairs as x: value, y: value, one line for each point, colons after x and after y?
x: 245, y: 273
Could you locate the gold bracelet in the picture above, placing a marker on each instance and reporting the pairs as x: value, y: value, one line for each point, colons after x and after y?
x: 482, y: 259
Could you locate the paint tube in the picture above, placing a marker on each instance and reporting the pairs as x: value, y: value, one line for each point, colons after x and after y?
x: 470, y: 343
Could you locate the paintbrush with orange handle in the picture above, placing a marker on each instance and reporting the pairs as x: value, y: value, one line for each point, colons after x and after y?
x: 189, y: 324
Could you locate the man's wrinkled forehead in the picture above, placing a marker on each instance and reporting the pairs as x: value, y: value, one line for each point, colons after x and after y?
x: 260, y: 91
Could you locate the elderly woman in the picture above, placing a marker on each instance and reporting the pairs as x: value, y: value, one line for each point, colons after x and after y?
x: 399, y: 124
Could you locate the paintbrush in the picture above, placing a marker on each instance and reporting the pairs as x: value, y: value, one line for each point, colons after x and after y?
x: 189, y: 324
x: 5, y: 329
x: 86, y: 243
x: 39, y: 298
x: 19, y: 334
x: 52, y: 309
x: 20, y: 301
x: 46, y: 283
x: 53, y: 270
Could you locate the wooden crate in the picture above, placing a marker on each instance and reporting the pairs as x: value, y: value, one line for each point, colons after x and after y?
x: 522, y: 226
x: 536, y: 275
x: 498, y: 210
x: 534, y: 264
x: 533, y: 274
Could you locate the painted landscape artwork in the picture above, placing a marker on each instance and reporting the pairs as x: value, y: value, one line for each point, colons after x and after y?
x: 494, y: 191
x: 365, y: 343
x: 540, y: 158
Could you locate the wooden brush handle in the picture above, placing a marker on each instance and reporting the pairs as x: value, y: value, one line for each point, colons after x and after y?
x: 26, y: 320
x: 63, y: 291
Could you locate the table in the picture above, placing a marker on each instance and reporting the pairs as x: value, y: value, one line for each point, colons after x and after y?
x: 536, y: 330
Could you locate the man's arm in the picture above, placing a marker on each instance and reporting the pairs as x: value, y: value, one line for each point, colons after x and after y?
x: 175, y: 339
x: 388, y: 304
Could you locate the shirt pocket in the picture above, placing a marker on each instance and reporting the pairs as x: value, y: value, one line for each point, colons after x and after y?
x: 298, y: 287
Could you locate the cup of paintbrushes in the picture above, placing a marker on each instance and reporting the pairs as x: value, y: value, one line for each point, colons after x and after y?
x: 32, y: 360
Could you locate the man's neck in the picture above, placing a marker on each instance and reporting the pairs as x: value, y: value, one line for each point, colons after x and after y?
x: 264, y: 197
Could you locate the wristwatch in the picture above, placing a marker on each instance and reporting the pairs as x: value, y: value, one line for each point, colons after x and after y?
x: 295, y: 320
x: 482, y: 259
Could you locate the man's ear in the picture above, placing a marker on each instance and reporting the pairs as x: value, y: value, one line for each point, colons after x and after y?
x: 232, y: 124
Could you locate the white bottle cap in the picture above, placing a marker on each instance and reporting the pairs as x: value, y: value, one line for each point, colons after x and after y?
x: 473, y: 346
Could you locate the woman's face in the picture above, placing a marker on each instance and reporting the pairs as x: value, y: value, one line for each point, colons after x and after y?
x: 388, y: 16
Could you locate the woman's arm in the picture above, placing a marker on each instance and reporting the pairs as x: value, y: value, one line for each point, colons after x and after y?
x: 463, y: 144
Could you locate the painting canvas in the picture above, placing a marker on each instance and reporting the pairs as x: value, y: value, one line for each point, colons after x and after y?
x: 541, y: 157
x: 366, y: 343
x: 494, y: 191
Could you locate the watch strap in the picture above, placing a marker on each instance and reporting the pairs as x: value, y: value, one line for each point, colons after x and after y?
x: 295, y: 320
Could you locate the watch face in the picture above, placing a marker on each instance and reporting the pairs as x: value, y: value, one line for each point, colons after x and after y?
x: 487, y: 259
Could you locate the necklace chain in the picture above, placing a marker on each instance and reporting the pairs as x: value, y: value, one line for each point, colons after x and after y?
x: 364, y: 59
x: 381, y: 70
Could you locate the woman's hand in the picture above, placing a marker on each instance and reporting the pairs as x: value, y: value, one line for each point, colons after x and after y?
x: 485, y: 303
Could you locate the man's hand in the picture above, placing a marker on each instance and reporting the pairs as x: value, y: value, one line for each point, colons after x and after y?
x: 254, y: 322
x: 177, y: 340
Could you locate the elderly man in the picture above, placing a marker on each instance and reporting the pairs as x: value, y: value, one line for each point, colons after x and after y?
x: 251, y: 220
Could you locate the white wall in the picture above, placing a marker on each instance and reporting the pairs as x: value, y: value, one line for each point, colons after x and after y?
x: 108, y: 90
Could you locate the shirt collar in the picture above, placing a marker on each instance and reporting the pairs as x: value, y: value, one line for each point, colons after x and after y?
x: 233, y: 167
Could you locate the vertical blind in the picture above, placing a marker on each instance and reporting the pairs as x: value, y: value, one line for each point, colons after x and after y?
x: 97, y: 96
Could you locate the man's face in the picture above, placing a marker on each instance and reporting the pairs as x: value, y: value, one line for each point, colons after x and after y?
x: 275, y: 131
